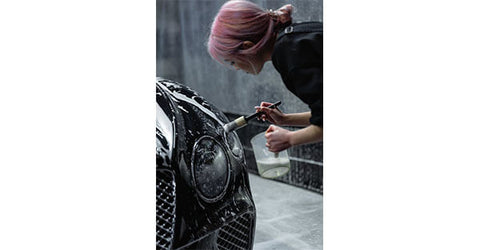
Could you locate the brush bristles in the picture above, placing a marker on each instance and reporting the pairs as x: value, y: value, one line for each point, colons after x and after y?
x: 236, y: 124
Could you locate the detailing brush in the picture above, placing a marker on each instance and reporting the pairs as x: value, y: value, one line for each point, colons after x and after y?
x: 243, y: 120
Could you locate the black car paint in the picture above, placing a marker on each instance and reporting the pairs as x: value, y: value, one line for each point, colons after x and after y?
x: 197, y: 223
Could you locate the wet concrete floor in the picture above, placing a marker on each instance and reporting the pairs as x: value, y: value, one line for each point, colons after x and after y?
x: 288, y: 217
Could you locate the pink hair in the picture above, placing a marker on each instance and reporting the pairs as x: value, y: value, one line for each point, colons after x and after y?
x: 239, y: 21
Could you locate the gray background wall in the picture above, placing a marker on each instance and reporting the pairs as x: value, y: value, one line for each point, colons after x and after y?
x: 183, y: 27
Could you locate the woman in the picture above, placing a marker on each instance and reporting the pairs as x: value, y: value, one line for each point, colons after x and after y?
x: 245, y: 36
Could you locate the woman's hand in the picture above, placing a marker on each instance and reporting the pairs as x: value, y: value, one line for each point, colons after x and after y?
x: 274, y: 116
x: 278, y: 139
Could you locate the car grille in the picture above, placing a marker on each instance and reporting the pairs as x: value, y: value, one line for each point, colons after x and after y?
x: 165, y: 209
x: 236, y: 235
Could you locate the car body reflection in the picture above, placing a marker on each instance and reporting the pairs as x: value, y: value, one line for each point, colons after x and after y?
x: 203, y: 192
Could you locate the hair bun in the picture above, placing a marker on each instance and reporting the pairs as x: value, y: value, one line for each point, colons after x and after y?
x: 285, y: 13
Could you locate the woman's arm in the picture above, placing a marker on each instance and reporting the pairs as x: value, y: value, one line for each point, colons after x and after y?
x: 279, y: 139
x: 277, y: 117
x: 297, y: 119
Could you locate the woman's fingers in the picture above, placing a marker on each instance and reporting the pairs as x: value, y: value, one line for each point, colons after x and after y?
x: 279, y: 147
x: 259, y: 109
x: 271, y: 128
x: 277, y: 138
x: 266, y: 114
x: 273, y: 115
x: 265, y: 104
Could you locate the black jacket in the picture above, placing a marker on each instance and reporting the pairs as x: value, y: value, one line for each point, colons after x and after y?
x: 298, y: 57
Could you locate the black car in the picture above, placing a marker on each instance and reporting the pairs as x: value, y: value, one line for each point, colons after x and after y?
x: 203, y: 193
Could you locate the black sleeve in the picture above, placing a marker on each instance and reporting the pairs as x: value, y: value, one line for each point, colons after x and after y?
x: 308, y: 84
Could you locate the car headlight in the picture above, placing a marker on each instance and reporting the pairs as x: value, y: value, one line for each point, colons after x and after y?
x: 210, y: 170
